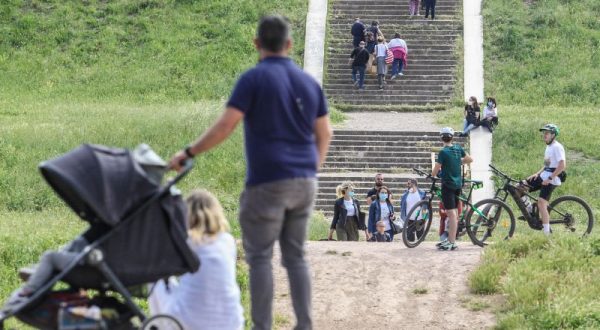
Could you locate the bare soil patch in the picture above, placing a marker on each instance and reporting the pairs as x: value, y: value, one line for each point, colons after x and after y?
x: 359, y: 285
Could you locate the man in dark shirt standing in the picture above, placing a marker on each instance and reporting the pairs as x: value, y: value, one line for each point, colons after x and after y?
x: 359, y: 58
x: 286, y: 135
x: 358, y: 32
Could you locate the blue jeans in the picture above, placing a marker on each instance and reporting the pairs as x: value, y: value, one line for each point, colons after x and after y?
x: 356, y: 40
x: 397, y: 66
x: 467, y: 127
x: 361, y: 75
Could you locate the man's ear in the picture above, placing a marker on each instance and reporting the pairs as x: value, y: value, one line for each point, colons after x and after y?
x: 256, y: 43
x: 288, y: 44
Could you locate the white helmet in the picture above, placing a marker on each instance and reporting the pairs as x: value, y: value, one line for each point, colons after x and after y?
x: 447, y: 131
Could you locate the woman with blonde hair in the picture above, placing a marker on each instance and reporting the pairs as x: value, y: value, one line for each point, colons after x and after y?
x: 209, y: 298
x: 347, y: 217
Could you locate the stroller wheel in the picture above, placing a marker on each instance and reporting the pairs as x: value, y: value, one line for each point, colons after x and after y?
x: 161, y: 322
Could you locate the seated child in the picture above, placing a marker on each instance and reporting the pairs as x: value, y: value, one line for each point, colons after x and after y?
x: 380, y: 235
x: 210, y: 297
x: 56, y: 261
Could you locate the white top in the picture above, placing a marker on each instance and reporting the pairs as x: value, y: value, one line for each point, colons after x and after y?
x: 350, y: 207
x: 208, y: 298
x: 555, y: 152
x: 397, y: 43
x: 490, y: 112
x: 380, y: 50
x: 385, y: 215
x: 411, y: 200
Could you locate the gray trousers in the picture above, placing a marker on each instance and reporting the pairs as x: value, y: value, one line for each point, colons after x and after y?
x: 54, y: 261
x: 273, y: 211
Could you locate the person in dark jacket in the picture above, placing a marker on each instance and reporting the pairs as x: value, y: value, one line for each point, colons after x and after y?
x: 359, y: 59
x: 382, y: 210
x: 347, y: 219
x: 358, y: 32
x: 380, y: 235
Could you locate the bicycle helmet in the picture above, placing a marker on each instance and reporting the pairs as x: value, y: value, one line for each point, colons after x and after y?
x: 552, y: 128
x: 447, y: 131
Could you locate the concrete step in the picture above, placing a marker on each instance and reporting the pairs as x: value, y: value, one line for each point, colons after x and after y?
x: 364, y: 98
x: 371, y: 86
x: 369, y: 3
x: 410, y: 65
x: 374, y: 91
x: 374, y: 147
x: 337, y: 155
x: 412, y: 81
x: 431, y: 54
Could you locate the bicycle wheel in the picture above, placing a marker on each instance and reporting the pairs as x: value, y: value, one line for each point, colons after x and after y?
x: 416, y: 230
x: 161, y: 322
x: 571, y: 214
x: 491, y: 221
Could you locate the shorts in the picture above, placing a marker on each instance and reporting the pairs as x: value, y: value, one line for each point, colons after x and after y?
x: 545, y: 191
x: 450, y: 197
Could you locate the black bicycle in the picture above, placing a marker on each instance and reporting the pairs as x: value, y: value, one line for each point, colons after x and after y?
x: 419, y: 218
x: 567, y: 213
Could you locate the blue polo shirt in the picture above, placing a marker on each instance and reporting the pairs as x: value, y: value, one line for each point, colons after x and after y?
x: 280, y: 104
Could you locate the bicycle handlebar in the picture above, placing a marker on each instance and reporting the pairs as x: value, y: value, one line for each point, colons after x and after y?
x: 497, y: 171
x: 427, y: 175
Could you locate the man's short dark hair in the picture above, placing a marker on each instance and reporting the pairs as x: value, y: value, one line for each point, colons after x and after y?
x: 273, y: 32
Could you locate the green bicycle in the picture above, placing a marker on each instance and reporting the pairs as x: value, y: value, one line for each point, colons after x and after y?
x: 419, y: 218
x: 568, y: 213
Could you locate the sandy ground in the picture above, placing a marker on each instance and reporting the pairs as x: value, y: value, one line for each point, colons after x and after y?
x: 391, y: 121
x: 359, y: 285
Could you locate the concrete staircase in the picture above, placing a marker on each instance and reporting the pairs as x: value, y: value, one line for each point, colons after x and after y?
x: 429, y: 77
x: 357, y: 156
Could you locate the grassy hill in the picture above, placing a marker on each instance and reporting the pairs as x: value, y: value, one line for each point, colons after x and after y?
x: 141, y: 51
x: 117, y: 73
x: 542, y: 63
x: 542, y: 53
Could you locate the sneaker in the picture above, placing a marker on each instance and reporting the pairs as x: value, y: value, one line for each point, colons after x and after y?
x: 393, y: 77
x: 444, y: 242
x: 448, y: 246
x: 400, y: 74
x: 355, y: 83
x: 381, y: 87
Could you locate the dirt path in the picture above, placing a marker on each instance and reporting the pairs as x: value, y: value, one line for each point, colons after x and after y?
x: 372, y: 286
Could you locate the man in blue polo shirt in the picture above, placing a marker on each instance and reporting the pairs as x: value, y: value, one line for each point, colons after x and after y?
x: 287, y: 135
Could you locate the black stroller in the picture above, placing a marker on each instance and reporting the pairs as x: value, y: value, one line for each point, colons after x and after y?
x: 145, y: 241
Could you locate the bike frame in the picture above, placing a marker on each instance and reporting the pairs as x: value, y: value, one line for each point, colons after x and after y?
x: 509, y: 189
x: 437, y: 191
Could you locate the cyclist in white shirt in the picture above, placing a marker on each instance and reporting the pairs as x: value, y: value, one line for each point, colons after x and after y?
x: 549, y: 177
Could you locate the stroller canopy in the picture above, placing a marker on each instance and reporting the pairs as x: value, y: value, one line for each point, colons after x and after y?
x: 100, y: 183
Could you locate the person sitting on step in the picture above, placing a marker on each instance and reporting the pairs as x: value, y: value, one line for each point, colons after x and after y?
x: 490, y: 115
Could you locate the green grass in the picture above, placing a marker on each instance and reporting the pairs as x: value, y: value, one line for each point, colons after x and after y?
x: 149, y: 51
x: 549, y: 283
x: 547, y: 53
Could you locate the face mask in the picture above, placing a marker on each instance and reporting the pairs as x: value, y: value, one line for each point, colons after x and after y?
x: 351, y: 194
x: 383, y: 196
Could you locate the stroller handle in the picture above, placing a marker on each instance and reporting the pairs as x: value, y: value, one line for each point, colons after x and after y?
x: 188, y: 164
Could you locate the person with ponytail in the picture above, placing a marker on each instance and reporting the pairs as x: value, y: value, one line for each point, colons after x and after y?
x: 347, y: 217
